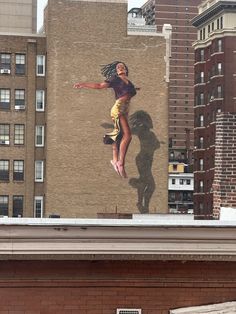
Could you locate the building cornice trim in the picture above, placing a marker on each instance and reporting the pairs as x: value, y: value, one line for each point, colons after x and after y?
x: 124, y: 242
x: 212, y: 11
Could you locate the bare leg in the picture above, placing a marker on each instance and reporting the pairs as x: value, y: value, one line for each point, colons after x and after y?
x: 124, y: 144
x: 115, y: 152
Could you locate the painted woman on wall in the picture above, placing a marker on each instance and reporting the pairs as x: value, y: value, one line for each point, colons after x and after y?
x: 116, y: 75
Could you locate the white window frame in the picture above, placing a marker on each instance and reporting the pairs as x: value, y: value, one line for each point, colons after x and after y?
x: 40, y: 95
x: 39, y: 135
x: 39, y: 169
x: 38, y: 199
x: 40, y: 62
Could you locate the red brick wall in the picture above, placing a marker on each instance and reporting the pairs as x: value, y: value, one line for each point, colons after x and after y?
x: 99, y: 287
x: 225, y: 163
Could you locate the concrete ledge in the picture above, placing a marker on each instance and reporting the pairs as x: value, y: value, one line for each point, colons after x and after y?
x: 124, y: 239
x: 222, y: 308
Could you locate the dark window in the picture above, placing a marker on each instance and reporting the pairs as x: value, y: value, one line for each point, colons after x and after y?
x: 20, y: 64
x: 19, y: 99
x: 5, y: 98
x: 4, y: 170
x: 18, y: 170
x: 5, y: 63
x: 4, y: 134
x: 4, y: 201
x: 18, y: 206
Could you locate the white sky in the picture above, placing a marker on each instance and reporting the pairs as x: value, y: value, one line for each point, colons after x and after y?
x: 42, y: 4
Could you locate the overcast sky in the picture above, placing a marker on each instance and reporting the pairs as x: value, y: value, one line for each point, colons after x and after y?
x: 42, y: 4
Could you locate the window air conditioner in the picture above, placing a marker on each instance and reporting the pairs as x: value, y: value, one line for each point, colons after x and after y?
x: 5, y: 71
x: 128, y: 311
x: 19, y: 107
x: 4, y: 142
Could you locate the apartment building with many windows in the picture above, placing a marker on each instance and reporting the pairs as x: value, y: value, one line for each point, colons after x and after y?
x: 178, y: 13
x: 22, y: 124
x: 215, y: 106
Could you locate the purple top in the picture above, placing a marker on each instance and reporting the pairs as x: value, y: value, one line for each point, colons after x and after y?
x: 120, y: 87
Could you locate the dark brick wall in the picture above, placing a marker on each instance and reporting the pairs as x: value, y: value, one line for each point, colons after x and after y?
x: 88, y: 287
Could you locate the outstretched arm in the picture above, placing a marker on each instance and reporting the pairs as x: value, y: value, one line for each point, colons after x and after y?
x: 91, y: 85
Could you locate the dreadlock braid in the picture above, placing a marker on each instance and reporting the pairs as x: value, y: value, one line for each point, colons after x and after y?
x: 109, y: 70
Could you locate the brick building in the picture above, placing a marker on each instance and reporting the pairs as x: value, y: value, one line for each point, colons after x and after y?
x: 99, y: 266
x: 22, y: 122
x: 18, y: 16
x: 214, y: 168
x: 181, y: 95
x: 53, y: 160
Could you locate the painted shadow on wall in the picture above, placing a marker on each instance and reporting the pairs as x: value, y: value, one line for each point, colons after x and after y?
x: 141, y: 125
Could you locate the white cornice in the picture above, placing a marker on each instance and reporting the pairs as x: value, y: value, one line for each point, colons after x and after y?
x: 125, y: 240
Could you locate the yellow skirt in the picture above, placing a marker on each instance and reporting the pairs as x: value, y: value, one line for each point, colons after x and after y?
x: 121, y: 107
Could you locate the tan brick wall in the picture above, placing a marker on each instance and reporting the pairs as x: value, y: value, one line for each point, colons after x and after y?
x: 79, y: 179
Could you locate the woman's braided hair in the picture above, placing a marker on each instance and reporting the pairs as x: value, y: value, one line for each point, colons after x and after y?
x: 109, y: 70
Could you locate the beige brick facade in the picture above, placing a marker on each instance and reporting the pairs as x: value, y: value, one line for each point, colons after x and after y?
x: 78, y: 180
x: 29, y: 46
x: 81, y: 36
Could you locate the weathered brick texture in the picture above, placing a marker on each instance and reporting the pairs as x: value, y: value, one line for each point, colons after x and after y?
x: 69, y: 287
x: 224, y: 185
x: 81, y: 36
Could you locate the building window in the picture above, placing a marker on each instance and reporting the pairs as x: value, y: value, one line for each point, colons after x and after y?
x: 40, y: 69
x: 204, y: 33
x: 201, y: 99
x: 20, y: 64
x: 209, y: 28
x: 4, y: 170
x: 173, y: 181
x: 201, y: 186
x: 188, y: 181
x: 40, y: 100
x: 181, y: 181
x: 201, y: 142
x: 212, y: 26
x: 219, y: 68
x: 218, y: 23
x: 201, y: 165
x: 38, y: 206
x: 18, y: 170
x: 219, y: 91
x: 39, y: 136
x: 19, y: 134
x: 19, y: 99
x: 5, y: 98
x: 39, y: 171
x: 201, y: 120
x: 5, y: 63
x: 221, y: 22
x: 202, y: 77
x: 4, y: 203
x: 18, y: 201
x: 4, y: 134
x: 219, y: 45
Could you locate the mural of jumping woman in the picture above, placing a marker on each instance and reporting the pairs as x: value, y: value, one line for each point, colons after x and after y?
x: 116, y: 77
